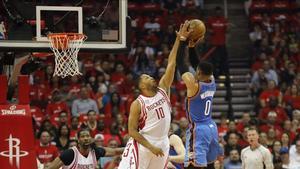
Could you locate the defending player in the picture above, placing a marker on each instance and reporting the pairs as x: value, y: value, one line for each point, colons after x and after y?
x: 150, y: 117
x: 202, y: 147
x: 85, y: 156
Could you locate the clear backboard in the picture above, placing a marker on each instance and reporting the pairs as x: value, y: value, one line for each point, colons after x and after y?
x: 26, y: 23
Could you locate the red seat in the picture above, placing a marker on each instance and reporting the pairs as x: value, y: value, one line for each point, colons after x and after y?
x: 280, y: 5
x: 256, y: 18
x: 133, y: 6
x: 150, y: 7
x: 259, y: 5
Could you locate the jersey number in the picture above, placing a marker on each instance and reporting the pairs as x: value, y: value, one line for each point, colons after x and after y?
x: 207, y: 107
x: 160, y: 113
x: 126, y: 151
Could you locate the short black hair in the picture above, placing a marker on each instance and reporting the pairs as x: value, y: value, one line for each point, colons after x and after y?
x: 253, y: 129
x: 91, y: 111
x: 82, y: 130
x: 206, y: 68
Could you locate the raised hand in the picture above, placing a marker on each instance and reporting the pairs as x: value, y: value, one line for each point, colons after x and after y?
x: 183, y: 32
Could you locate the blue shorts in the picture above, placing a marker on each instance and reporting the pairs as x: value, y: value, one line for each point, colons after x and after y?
x: 202, y: 145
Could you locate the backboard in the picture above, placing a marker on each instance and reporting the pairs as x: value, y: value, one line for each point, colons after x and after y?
x: 28, y: 22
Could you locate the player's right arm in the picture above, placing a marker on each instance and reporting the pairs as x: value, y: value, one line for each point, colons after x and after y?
x: 187, y: 77
x: 133, y: 122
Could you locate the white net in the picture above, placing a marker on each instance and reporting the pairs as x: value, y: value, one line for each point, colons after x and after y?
x: 65, y: 48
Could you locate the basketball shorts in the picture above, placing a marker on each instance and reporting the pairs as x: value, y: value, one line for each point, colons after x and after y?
x: 136, y: 156
x: 202, y: 145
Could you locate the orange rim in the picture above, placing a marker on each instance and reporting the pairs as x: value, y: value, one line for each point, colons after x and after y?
x: 60, y: 40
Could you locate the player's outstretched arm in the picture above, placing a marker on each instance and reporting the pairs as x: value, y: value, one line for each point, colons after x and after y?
x: 176, y: 142
x: 133, y: 122
x: 110, y: 152
x: 56, y: 164
x: 167, y: 79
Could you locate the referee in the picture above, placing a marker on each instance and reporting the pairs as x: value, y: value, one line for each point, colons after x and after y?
x: 255, y: 156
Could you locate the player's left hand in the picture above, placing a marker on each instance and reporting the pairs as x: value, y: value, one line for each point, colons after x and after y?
x: 157, y: 151
x: 183, y: 32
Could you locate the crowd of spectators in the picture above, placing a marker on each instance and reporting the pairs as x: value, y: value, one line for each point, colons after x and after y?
x: 275, y: 78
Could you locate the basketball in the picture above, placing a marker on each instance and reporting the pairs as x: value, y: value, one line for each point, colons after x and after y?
x: 198, y: 28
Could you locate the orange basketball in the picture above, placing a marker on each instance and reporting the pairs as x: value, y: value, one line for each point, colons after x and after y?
x: 198, y: 28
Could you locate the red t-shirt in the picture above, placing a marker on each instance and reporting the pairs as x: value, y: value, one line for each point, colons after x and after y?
x: 293, y: 100
x: 46, y: 154
x: 56, y: 108
x: 218, y: 26
x: 266, y: 94
x: 37, y: 114
x: 281, y: 114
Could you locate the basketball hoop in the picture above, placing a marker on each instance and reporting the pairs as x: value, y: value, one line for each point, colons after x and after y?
x: 65, y: 47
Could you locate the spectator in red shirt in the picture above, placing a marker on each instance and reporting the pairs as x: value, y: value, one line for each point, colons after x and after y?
x: 46, y: 152
x: 217, y: 27
x: 74, y: 127
x: 92, y: 123
x: 57, y: 105
x: 281, y: 115
x: 243, y: 122
x: 271, y: 123
x: 271, y: 91
x: 287, y: 128
x: 291, y: 100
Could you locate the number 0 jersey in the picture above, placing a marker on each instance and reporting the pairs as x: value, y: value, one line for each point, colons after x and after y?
x: 155, y: 117
x: 199, y: 107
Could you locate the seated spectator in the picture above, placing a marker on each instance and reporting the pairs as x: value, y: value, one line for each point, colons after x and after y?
x: 294, y: 153
x: 243, y: 140
x: 91, y: 123
x: 270, y: 91
x: 285, y: 140
x: 152, y: 25
x: 223, y: 126
x: 232, y: 143
x: 287, y: 128
x: 244, y: 121
x: 234, y: 161
x: 263, y: 139
x: 46, y: 152
x: 271, y: 137
x: 99, y: 140
x: 268, y: 73
x: 115, y: 106
x: 271, y: 123
x: 276, y: 154
x: 63, y: 138
x: 256, y: 35
x: 61, y: 119
x: 56, y: 106
x: 291, y: 100
x: 83, y: 104
x: 281, y: 115
x: 48, y: 126
x: 74, y: 127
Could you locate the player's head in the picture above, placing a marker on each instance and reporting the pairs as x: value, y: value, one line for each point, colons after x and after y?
x: 252, y: 136
x: 146, y: 82
x: 84, y: 138
x: 204, y: 69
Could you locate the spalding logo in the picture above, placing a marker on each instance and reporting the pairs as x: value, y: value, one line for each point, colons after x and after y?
x: 12, y: 111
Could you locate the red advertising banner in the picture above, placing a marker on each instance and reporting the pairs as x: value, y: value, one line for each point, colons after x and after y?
x: 16, y: 138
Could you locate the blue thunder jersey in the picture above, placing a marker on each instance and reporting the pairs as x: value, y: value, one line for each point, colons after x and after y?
x: 199, y: 107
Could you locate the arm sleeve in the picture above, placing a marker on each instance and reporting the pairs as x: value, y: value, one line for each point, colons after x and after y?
x: 100, y: 152
x: 193, y: 57
x: 74, y: 108
x: 181, y: 66
x: 67, y: 156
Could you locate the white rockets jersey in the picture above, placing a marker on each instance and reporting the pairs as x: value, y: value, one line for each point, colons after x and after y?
x: 81, y: 162
x: 155, y: 117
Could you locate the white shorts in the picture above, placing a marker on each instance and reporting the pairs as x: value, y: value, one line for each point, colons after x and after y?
x: 136, y: 156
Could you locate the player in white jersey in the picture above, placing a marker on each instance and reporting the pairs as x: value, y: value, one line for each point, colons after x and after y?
x: 150, y: 117
x: 85, y: 156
